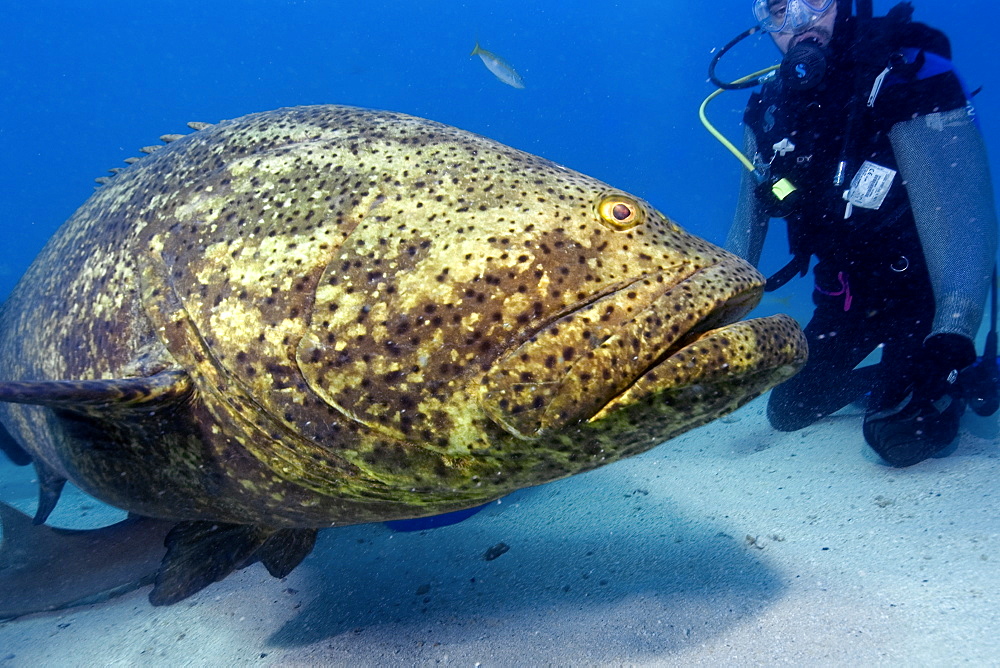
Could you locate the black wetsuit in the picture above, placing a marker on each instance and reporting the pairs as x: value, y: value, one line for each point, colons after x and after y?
x: 871, y: 281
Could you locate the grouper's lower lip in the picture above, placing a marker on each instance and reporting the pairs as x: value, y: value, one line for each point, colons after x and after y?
x: 744, y: 358
x: 714, y: 323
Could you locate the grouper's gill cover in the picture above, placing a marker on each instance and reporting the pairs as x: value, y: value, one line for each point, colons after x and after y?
x: 348, y: 315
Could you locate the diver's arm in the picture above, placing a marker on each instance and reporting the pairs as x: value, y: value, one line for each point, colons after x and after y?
x: 746, y: 235
x: 942, y: 162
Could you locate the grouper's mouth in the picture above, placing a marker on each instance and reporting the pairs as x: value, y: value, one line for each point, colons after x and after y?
x: 647, y: 337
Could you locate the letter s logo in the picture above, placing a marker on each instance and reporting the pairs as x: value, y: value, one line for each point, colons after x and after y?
x: 800, y: 71
x: 769, y: 119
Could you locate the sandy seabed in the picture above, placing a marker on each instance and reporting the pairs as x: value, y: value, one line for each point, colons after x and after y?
x: 731, y: 545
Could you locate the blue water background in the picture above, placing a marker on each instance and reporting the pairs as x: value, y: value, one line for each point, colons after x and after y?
x: 612, y: 89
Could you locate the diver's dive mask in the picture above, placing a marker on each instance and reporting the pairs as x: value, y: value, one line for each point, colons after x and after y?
x: 794, y: 16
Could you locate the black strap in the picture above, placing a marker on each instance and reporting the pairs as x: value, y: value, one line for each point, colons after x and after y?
x: 798, y: 265
x: 981, y: 381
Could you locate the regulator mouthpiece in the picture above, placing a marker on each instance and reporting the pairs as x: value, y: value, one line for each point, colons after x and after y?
x: 804, y: 65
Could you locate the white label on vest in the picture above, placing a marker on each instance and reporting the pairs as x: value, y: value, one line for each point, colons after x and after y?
x: 870, y: 185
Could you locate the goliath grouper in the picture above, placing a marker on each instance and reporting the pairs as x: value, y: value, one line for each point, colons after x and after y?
x: 325, y: 315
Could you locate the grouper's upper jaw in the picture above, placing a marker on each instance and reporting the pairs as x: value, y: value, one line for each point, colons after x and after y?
x: 589, y: 361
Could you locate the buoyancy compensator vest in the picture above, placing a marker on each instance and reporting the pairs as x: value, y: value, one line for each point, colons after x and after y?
x: 831, y: 139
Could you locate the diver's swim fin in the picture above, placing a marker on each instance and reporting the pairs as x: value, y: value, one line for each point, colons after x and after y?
x: 981, y: 381
x: 434, y: 521
x: 981, y: 386
x: 914, y: 429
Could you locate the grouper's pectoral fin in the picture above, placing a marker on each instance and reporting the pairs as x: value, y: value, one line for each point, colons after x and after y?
x: 112, y: 399
x: 98, y: 397
x: 200, y: 553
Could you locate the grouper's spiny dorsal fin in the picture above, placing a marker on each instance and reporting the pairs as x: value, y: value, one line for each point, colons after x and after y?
x: 166, y: 139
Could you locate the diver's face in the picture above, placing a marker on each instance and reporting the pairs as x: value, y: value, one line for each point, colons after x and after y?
x: 821, y: 30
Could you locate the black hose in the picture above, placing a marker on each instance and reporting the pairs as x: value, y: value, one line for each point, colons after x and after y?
x: 732, y: 85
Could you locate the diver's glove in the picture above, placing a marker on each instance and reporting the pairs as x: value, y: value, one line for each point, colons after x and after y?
x: 926, y: 420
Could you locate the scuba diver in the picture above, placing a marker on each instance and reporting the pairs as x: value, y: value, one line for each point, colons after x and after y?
x: 865, y: 142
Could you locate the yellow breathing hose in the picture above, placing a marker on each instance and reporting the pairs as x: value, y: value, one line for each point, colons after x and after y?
x: 718, y: 135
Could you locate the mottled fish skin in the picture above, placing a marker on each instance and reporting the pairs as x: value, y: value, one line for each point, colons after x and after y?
x: 376, y: 317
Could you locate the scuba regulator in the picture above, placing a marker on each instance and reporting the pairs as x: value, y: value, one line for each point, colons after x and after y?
x: 804, y: 65
x: 802, y: 68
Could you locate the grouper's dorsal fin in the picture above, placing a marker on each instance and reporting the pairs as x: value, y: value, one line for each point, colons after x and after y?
x: 91, y: 396
x: 166, y: 139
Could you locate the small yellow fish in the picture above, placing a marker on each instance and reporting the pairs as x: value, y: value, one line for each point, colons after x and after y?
x: 499, y: 67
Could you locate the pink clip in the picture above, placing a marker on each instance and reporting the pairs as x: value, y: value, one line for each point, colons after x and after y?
x: 845, y: 289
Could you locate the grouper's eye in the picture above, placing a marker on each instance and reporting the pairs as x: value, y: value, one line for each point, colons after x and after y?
x: 619, y: 212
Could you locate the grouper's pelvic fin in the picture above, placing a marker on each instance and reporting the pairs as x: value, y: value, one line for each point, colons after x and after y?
x: 200, y: 553
x: 50, y: 487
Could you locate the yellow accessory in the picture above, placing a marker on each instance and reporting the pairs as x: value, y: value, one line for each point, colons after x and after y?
x: 718, y: 135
